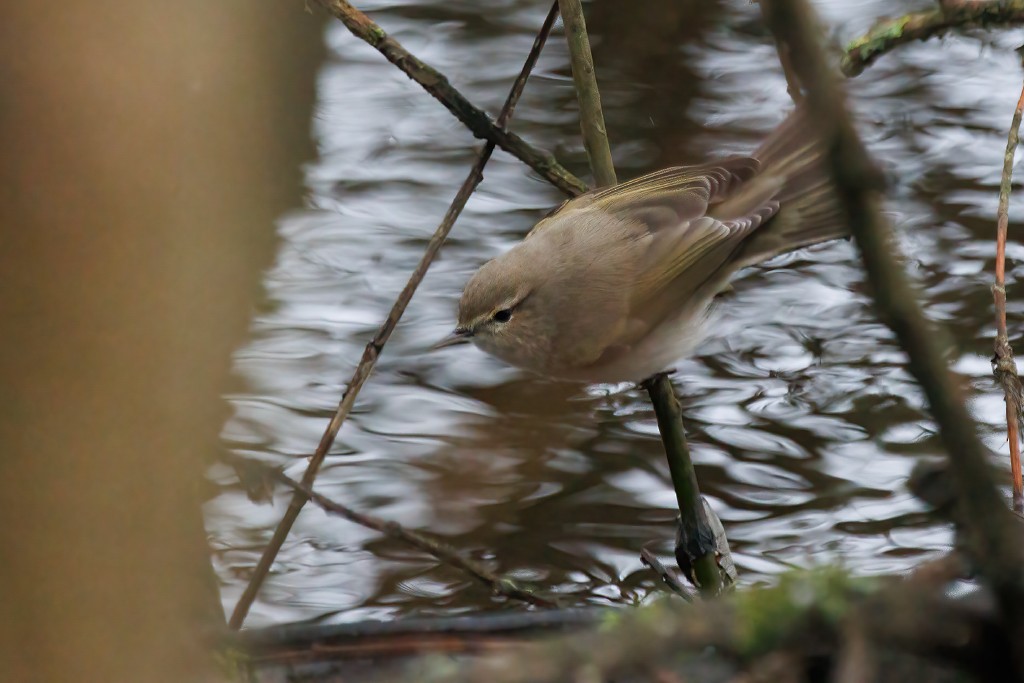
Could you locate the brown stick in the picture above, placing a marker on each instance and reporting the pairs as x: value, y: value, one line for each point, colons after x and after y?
x: 1004, y: 366
x: 889, y: 34
x: 376, y: 345
x: 435, y: 83
x: 994, y: 546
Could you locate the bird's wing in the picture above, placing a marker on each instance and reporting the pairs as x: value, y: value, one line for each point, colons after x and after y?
x: 685, y: 248
x: 661, y: 219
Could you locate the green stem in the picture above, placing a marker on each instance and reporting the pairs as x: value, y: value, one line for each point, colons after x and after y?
x: 697, y: 540
x: 595, y: 137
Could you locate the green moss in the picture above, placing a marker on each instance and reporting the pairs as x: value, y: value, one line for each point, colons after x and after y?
x: 235, y: 664
x: 376, y: 34
x: 767, y: 616
x: 876, y: 39
x: 611, y: 619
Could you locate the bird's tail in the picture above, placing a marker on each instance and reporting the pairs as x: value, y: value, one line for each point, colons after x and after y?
x: 793, y: 162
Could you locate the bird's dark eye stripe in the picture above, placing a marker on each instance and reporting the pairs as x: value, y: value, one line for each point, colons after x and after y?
x: 504, y: 315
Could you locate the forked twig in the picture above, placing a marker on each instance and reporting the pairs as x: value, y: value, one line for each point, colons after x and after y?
x: 376, y: 345
x: 667, y: 577
x: 435, y: 83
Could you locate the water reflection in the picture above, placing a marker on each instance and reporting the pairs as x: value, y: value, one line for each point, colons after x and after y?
x: 803, y: 421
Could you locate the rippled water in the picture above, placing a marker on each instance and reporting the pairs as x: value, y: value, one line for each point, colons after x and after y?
x: 803, y: 422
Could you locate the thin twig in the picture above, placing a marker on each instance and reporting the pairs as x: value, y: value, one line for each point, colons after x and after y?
x: 667, y: 577
x: 442, y: 551
x: 376, y: 345
x: 1004, y: 367
x: 986, y: 530
x: 595, y: 136
x: 891, y: 33
x: 435, y: 83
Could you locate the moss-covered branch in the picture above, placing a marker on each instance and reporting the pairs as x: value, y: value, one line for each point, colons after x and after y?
x: 952, y: 14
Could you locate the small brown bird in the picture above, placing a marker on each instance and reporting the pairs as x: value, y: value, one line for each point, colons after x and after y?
x: 617, y: 284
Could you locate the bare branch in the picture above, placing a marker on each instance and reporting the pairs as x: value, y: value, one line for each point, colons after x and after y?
x: 435, y: 83
x: 376, y: 345
x: 442, y: 551
x: 595, y: 136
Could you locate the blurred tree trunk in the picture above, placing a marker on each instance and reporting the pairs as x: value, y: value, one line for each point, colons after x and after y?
x: 147, y: 150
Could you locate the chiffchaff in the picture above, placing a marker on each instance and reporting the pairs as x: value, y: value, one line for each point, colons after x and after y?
x: 616, y: 284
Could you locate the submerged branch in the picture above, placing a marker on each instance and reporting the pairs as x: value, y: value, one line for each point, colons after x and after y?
x: 442, y: 551
x: 986, y: 529
x: 951, y: 14
x: 436, y: 83
x: 376, y: 345
x: 1004, y: 367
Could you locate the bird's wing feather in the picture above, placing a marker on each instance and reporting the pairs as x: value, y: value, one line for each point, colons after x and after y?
x: 677, y: 194
x: 679, y: 247
x: 689, y: 189
x: 686, y: 248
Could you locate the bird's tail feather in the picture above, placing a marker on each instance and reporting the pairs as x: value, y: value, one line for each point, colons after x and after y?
x: 793, y: 159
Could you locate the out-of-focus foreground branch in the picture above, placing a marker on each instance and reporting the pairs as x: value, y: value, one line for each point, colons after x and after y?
x: 148, y: 149
x: 986, y: 523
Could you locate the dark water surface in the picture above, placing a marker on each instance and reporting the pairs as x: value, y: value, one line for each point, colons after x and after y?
x: 803, y: 422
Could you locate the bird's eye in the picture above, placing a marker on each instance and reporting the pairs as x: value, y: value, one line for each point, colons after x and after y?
x: 503, y: 316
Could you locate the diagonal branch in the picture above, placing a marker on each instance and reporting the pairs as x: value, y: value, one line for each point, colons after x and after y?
x: 376, y: 345
x: 499, y: 584
x: 435, y: 83
x: 987, y: 533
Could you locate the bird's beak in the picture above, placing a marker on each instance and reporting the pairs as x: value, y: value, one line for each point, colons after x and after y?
x: 460, y: 335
